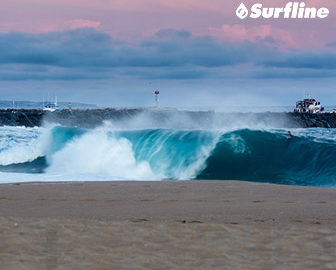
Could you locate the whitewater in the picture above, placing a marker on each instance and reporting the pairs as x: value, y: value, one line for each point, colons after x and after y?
x: 141, y: 150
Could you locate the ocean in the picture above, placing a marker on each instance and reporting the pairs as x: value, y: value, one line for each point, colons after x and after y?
x: 139, y: 149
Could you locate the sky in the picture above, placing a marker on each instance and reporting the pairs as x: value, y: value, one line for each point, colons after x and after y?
x: 197, y: 53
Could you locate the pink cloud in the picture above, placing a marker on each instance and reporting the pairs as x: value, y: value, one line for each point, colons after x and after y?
x: 282, y: 38
x: 137, y: 19
x: 64, y: 25
x: 74, y: 24
x: 239, y: 32
x: 321, y: 3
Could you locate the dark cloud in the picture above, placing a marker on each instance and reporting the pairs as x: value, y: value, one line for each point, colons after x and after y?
x: 331, y: 44
x: 290, y: 73
x: 172, y: 33
x: 311, y: 60
x: 172, y: 54
x: 90, y: 48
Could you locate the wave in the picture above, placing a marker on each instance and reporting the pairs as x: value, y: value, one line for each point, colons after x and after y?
x: 273, y: 157
x: 307, y: 158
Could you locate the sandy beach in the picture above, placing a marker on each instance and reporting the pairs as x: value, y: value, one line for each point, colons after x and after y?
x: 166, y: 225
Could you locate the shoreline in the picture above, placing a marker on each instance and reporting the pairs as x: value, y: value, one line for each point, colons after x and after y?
x: 69, y: 182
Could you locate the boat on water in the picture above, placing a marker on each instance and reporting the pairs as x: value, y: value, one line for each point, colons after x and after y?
x: 51, y: 107
x: 308, y: 105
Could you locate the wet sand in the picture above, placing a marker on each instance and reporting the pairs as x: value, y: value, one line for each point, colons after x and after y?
x: 166, y: 225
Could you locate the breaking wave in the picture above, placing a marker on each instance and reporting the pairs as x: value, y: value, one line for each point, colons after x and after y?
x: 106, y: 153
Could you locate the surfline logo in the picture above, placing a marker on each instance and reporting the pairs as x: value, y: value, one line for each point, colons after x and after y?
x: 292, y: 10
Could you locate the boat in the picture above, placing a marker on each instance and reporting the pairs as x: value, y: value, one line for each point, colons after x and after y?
x: 308, y: 105
x: 51, y: 107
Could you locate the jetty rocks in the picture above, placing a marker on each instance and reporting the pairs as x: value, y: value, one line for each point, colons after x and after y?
x: 165, y: 118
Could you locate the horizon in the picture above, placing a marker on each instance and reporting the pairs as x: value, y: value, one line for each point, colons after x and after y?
x: 63, y: 105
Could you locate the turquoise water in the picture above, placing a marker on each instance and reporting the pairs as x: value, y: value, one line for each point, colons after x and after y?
x: 265, y: 155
